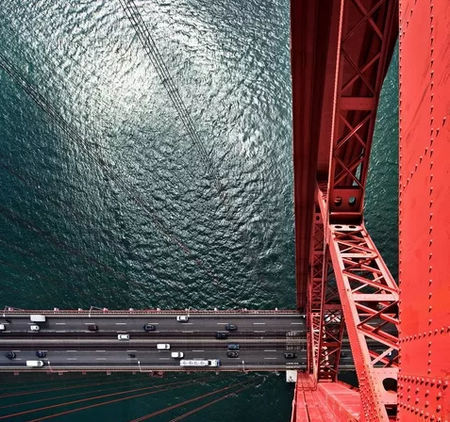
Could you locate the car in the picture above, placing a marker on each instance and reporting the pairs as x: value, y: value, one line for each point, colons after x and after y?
x: 10, y: 355
x: 233, y: 346
x: 230, y: 327
x: 290, y: 355
x: 233, y: 354
x: 41, y: 354
x: 220, y: 335
x: 34, y: 327
x: 92, y: 327
x: 123, y: 337
x: 163, y: 346
x: 149, y: 327
x: 131, y: 355
x: 34, y: 363
x: 177, y: 355
x: 182, y: 318
x: 2, y: 327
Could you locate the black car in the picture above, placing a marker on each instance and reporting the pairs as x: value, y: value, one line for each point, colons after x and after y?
x: 230, y: 327
x: 149, y: 327
x: 290, y: 355
x: 41, y: 354
x: 233, y: 346
x: 131, y: 355
x: 92, y: 327
x: 10, y: 355
x: 220, y: 335
x: 232, y: 354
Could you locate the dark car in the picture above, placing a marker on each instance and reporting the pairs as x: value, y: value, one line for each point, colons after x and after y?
x: 149, y: 327
x: 232, y: 354
x: 41, y: 354
x: 131, y: 355
x: 230, y: 327
x: 93, y: 327
x: 233, y: 346
x: 10, y: 355
x: 220, y: 335
x: 290, y: 355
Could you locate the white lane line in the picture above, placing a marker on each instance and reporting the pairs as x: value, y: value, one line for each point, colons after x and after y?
x: 270, y: 350
x: 71, y: 351
x: 88, y: 323
x: 270, y: 358
x: 100, y: 358
x: 60, y: 331
x: 121, y: 323
x: 259, y: 323
x: 187, y: 323
x: 18, y: 359
x: 222, y: 323
x: 259, y: 331
x: 72, y: 358
x: 101, y: 351
x: 16, y: 350
x: 131, y: 350
x: 296, y: 323
x: 187, y: 331
x: 60, y: 323
x: 164, y: 358
x: 198, y: 351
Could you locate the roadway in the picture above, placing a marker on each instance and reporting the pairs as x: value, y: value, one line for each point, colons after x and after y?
x: 70, y: 346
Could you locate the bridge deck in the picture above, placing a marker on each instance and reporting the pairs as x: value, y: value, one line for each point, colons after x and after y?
x: 263, y: 338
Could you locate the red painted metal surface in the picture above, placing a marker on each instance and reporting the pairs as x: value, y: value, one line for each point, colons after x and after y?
x: 424, y: 214
x: 325, y: 402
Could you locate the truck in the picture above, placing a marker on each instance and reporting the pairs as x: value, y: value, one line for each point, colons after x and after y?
x: 200, y: 362
x: 37, y: 318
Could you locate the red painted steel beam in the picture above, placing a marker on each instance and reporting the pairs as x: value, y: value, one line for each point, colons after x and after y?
x: 312, y: 24
x: 424, y: 202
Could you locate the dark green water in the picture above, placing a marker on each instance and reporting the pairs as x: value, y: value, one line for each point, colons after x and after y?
x: 117, y: 208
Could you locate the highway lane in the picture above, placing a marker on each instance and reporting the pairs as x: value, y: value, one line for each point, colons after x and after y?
x: 70, y: 345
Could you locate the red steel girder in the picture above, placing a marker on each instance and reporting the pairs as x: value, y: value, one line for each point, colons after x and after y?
x: 369, y: 297
x: 365, y: 40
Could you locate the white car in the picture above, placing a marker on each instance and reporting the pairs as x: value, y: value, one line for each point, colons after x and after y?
x: 34, y: 363
x: 34, y: 327
x: 163, y: 346
x: 182, y: 318
x: 123, y: 337
x: 177, y: 355
x: 2, y: 327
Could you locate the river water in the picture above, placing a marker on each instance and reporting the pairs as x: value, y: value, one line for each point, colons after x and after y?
x: 107, y: 200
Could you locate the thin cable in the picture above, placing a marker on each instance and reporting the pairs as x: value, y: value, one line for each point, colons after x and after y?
x: 169, y: 408
x: 210, y: 403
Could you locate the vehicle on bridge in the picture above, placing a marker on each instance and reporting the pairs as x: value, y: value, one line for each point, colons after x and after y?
x: 123, y: 337
x: 200, y: 362
x: 221, y: 335
x: 34, y: 363
x: 232, y: 354
x: 37, y: 318
x: 163, y: 346
x: 34, y: 327
x: 230, y: 327
x: 177, y: 355
x: 41, y: 354
x: 92, y: 327
x: 2, y: 327
x: 149, y: 327
x: 182, y: 318
x: 10, y: 355
x: 233, y: 346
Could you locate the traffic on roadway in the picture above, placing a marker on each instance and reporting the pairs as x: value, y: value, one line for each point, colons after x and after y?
x: 147, y: 342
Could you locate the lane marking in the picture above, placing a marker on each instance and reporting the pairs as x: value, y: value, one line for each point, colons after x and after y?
x: 259, y: 331
x: 72, y: 358
x: 131, y: 350
x: 187, y: 323
x: 16, y: 350
x: 71, y: 351
x: 270, y: 358
x: 198, y: 351
x: 187, y: 331
x: 259, y: 323
x: 100, y: 358
x: 60, y: 323
x: 101, y: 351
x: 222, y: 323
x: 121, y: 323
x: 296, y: 323
x: 164, y: 358
x: 270, y: 350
